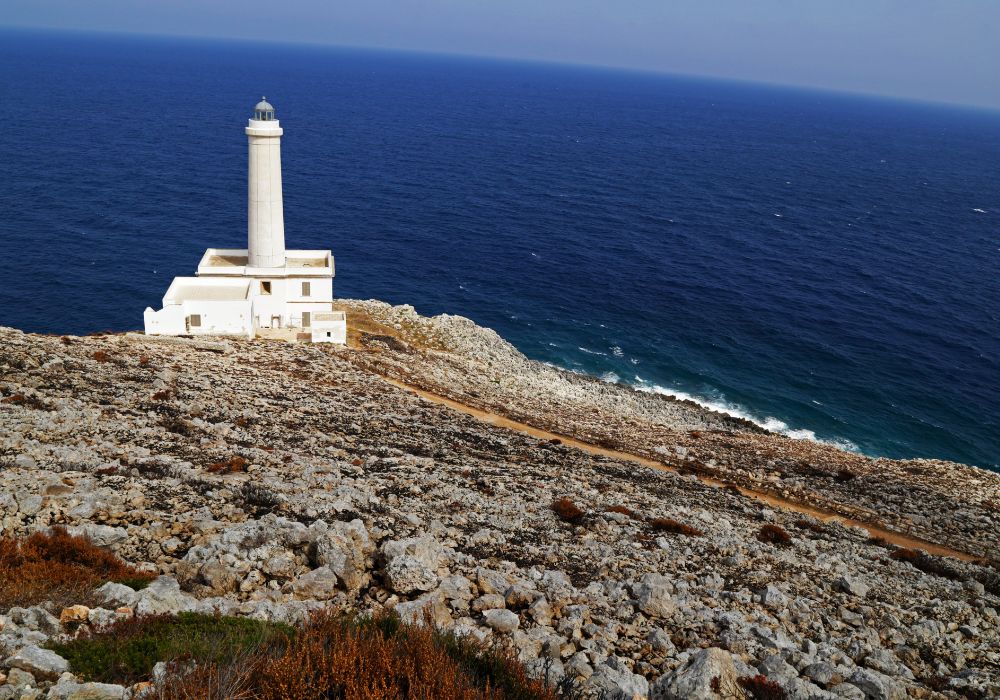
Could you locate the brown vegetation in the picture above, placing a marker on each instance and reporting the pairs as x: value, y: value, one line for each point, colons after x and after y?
x: 624, y: 510
x: 567, y: 510
x: 58, y: 567
x: 760, y: 687
x: 774, y: 534
x: 928, y: 564
x: 232, y: 465
x: 334, y: 658
x: 102, y: 356
x: 161, y: 395
x: 674, y: 526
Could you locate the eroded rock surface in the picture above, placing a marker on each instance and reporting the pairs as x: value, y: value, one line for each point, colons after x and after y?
x: 354, y: 494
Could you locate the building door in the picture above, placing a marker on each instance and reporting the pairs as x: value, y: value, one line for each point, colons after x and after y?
x: 306, y: 319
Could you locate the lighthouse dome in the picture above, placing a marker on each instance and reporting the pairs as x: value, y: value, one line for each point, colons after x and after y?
x: 264, y: 111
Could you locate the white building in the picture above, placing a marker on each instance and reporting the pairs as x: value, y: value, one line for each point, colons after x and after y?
x: 241, y: 291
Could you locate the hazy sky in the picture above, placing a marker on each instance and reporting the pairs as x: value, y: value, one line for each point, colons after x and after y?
x: 944, y: 50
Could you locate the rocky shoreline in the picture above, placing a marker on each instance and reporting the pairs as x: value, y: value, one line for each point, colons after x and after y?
x: 269, y: 480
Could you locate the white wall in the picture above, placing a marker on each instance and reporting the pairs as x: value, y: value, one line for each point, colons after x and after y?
x: 337, y: 331
x: 166, y: 321
x: 287, y: 302
x: 217, y: 318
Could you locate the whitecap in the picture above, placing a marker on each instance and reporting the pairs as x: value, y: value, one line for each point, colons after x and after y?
x: 771, y: 423
x: 617, y: 351
x: 592, y: 352
x: 979, y: 211
x: 610, y: 378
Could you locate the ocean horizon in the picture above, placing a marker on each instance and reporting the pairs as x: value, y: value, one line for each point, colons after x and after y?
x: 825, y: 265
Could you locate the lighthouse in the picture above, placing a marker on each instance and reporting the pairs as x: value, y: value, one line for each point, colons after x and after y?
x: 262, y: 290
x: 265, y: 215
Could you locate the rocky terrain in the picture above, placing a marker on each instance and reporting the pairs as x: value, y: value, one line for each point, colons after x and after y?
x: 268, y: 480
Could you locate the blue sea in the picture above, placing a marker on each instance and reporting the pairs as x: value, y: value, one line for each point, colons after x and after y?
x: 826, y: 265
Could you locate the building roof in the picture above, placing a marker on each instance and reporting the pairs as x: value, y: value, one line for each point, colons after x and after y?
x: 193, y: 289
x: 298, y: 263
x: 264, y: 106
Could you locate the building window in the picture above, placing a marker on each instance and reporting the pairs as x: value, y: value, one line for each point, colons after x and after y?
x: 306, y: 289
x: 265, y: 287
x: 194, y: 321
x: 306, y: 319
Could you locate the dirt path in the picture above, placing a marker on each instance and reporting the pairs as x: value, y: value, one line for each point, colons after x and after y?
x: 896, y: 538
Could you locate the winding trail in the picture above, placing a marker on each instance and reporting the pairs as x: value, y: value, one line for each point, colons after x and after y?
x: 896, y: 538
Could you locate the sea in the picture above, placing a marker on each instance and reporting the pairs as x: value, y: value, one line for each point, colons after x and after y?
x: 826, y: 265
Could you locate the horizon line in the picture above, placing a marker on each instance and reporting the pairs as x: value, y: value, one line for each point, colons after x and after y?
x: 889, y: 97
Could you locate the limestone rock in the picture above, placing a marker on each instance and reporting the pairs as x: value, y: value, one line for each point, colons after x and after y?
x: 501, y: 620
x: 852, y: 585
x: 116, y: 595
x: 74, y: 615
x: 695, y: 680
x: 614, y: 679
x: 653, y: 595
x: 318, y: 584
x: 407, y: 574
x: 41, y: 663
x: 877, y: 686
x: 164, y: 595
x: 345, y: 548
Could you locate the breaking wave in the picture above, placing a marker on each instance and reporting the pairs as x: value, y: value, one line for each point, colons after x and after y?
x: 721, y: 405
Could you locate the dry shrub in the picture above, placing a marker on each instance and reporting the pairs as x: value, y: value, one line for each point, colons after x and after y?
x: 843, y: 475
x: 161, y: 395
x: 232, y: 465
x: 143, y: 360
x: 567, y: 510
x: 675, y: 527
x: 27, y: 401
x: 377, y: 659
x: 58, y: 567
x: 65, y: 341
x: 102, y: 356
x: 928, y: 564
x: 624, y: 510
x: 774, y: 534
x: 760, y: 687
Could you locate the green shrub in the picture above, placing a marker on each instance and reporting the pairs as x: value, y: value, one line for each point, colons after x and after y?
x: 127, y: 652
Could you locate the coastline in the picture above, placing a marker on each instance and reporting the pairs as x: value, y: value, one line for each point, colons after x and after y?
x: 452, y: 357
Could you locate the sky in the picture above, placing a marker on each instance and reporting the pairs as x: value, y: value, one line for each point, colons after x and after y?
x: 935, y: 50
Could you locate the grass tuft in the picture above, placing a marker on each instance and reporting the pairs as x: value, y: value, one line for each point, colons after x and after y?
x: 127, y: 652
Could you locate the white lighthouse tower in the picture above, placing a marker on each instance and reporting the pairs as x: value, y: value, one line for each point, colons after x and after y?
x: 263, y: 289
x: 265, y: 215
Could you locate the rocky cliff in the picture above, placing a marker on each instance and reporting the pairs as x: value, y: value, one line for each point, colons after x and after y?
x: 641, y: 545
